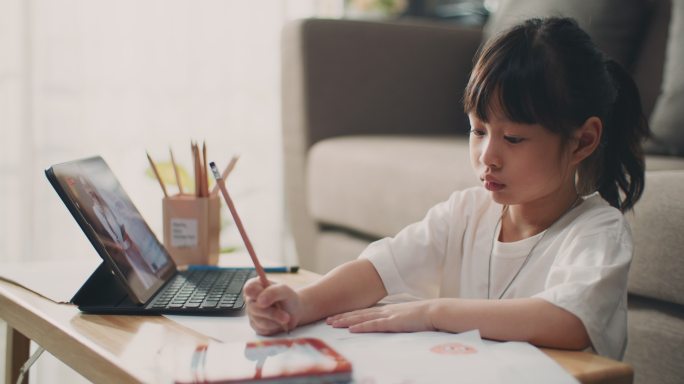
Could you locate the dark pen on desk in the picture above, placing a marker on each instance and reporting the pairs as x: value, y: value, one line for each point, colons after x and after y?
x: 245, y: 238
x: 279, y: 269
x: 284, y: 269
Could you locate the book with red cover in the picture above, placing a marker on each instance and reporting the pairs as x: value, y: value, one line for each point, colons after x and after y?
x: 297, y: 360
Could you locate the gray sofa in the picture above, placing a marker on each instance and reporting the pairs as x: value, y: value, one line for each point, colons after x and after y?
x: 374, y: 135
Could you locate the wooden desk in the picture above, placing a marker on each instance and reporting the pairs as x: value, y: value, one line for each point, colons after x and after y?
x: 97, y: 346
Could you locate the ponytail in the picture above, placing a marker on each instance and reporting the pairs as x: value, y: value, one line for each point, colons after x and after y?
x: 621, y: 156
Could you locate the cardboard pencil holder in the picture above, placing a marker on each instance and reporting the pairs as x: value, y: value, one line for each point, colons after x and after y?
x: 191, y: 228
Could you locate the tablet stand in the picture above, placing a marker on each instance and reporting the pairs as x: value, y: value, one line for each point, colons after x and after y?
x: 101, y: 291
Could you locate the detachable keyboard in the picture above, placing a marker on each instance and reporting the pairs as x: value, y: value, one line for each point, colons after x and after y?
x: 203, y: 290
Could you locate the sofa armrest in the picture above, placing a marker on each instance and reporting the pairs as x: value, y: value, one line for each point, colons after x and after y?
x: 344, y: 77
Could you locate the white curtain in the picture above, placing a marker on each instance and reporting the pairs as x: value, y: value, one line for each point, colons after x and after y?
x: 118, y: 77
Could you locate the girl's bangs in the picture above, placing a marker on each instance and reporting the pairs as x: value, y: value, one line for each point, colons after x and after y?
x: 510, y: 79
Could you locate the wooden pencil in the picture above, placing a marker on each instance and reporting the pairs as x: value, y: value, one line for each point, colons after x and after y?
x: 156, y: 173
x: 195, y: 164
x: 175, y: 172
x: 229, y: 168
x: 243, y: 233
x: 205, y: 171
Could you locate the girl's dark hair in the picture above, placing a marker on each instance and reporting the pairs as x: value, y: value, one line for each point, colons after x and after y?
x: 549, y: 72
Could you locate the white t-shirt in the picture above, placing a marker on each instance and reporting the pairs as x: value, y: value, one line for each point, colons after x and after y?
x: 581, y: 263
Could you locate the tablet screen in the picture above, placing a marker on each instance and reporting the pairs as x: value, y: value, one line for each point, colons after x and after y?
x: 113, y: 224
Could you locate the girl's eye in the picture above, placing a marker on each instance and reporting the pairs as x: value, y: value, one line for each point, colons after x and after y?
x: 477, y: 132
x: 514, y: 140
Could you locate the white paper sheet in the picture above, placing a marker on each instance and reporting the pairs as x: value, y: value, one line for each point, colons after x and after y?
x: 422, y: 357
x: 527, y: 364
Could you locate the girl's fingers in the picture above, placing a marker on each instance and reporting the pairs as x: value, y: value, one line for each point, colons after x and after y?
x: 264, y: 326
x: 269, y: 320
x: 252, y: 289
x: 346, y: 320
x: 357, y: 312
x: 372, y: 322
x: 273, y: 313
x: 274, y: 293
x: 271, y: 309
x: 406, y: 317
x: 376, y: 325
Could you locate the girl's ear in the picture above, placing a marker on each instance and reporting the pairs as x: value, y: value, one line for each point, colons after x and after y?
x: 587, y: 139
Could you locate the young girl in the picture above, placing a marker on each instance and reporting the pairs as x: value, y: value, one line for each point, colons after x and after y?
x: 540, y: 252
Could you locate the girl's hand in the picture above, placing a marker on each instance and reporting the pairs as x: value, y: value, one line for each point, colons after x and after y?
x: 271, y: 309
x: 404, y: 317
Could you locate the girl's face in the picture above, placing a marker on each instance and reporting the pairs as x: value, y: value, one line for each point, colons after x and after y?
x: 519, y: 163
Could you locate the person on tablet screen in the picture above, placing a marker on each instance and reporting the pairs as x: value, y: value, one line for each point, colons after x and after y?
x: 120, y: 240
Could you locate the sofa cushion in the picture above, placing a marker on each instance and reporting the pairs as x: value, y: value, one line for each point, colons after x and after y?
x: 376, y: 185
x: 614, y: 25
x: 667, y: 121
x: 664, y: 163
x: 655, y: 339
x: 657, y: 222
x: 411, y: 173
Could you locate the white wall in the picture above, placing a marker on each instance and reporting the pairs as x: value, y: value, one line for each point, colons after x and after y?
x: 118, y: 77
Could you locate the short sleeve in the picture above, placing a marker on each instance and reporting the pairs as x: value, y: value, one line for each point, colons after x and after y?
x: 589, y: 279
x: 410, y: 263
